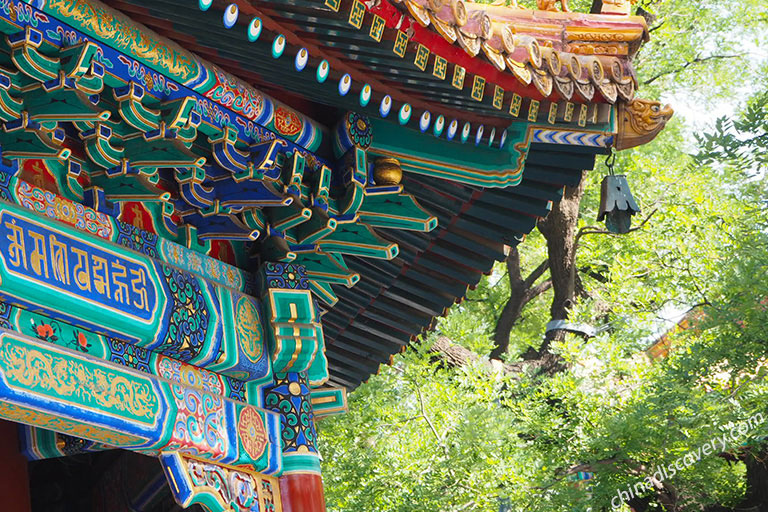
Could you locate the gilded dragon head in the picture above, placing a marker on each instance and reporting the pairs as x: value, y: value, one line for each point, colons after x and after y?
x: 640, y: 121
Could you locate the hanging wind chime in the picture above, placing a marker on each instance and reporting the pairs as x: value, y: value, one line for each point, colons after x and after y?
x: 617, y: 206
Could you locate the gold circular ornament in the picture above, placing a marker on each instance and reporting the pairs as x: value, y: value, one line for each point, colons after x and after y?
x: 555, y: 62
x: 294, y: 388
x: 574, y: 67
x: 596, y: 70
x: 387, y: 171
x: 249, y: 329
x: 252, y: 433
x: 459, y: 12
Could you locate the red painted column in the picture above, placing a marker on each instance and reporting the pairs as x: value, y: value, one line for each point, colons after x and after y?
x: 14, y: 479
x: 302, y: 492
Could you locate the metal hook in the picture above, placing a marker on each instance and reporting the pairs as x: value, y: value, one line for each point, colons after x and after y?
x: 610, y: 161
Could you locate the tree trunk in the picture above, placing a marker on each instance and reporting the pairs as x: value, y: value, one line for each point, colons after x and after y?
x: 757, y: 480
x: 513, y: 308
x: 559, y: 229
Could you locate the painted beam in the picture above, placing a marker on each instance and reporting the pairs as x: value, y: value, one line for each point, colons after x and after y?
x: 227, y: 100
x: 423, y: 154
x: 219, y: 488
x: 112, y: 290
x: 59, y: 389
x: 40, y: 444
x: 117, y: 351
x: 89, y: 220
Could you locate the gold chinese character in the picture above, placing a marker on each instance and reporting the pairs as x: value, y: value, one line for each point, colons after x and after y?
x: 498, y: 98
x: 82, y: 272
x: 458, y: 77
x: 478, y: 88
x: 533, y: 111
x: 139, y: 287
x: 121, y: 289
x: 333, y: 4
x: 16, y: 250
x: 356, y: 14
x: 514, y: 106
x: 39, y: 257
x: 377, y: 28
x: 568, y: 112
x: 583, y: 115
x: 401, y: 43
x: 552, y: 116
x: 101, y: 280
x: 59, y: 260
x: 422, y: 57
x: 440, y: 67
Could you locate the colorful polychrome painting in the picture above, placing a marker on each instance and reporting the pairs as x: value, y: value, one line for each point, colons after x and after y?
x: 218, y: 218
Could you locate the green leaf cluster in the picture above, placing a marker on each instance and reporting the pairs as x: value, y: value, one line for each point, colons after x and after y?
x: 425, y: 436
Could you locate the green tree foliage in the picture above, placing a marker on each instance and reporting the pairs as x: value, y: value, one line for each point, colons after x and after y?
x: 429, y: 435
x: 741, y: 143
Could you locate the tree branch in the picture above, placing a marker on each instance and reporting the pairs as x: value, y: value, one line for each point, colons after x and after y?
x: 697, y: 60
x: 429, y: 421
x: 592, y: 230
x: 537, y: 290
x: 536, y: 273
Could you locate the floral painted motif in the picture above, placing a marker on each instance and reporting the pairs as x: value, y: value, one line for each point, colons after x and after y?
x: 222, y: 487
x: 80, y: 342
x: 121, y: 33
x: 236, y: 389
x: 232, y: 94
x: 50, y: 332
x: 137, y: 239
x: 5, y: 315
x: 5, y: 184
x: 360, y: 131
x: 129, y: 355
x: 287, y: 122
x: 290, y: 397
x: 286, y: 276
x: 268, y: 493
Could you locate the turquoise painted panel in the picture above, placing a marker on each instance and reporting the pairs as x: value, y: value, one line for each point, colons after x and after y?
x: 58, y: 267
x: 120, y: 352
x: 88, y: 220
x: 58, y: 389
x: 108, y: 289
